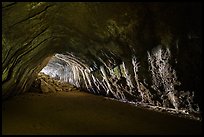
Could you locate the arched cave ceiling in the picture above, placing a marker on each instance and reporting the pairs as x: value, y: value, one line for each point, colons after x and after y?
x: 32, y: 32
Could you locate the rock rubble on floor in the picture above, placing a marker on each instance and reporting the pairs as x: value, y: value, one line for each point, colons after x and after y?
x: 46, y: 84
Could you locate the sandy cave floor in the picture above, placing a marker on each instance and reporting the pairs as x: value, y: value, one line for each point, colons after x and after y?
x: 82, y: 113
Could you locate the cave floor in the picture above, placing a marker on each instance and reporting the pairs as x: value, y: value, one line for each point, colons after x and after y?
x: 82, y: 113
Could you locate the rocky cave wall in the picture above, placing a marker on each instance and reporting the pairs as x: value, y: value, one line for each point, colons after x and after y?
x: 102, y: 36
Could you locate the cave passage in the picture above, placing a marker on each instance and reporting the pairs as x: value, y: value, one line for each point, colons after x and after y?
x: 146, y: 55
x: 115, y: 82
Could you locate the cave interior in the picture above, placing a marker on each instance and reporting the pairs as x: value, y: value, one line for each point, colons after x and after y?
x: 144, y: 54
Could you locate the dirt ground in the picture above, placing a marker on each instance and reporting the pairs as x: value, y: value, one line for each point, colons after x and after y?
x: 68, y: 113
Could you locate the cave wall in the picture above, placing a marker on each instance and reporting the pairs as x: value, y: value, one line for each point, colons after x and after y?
x: 32, y: 32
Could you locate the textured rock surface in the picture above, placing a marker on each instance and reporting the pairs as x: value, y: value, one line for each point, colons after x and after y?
x: 45, y: 84
x: 32, y: 32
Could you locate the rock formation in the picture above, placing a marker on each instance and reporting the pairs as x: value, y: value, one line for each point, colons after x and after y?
x: 103, y: 42
x: 46, y: 84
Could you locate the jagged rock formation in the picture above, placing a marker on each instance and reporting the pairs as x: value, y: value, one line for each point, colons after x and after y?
x: 46, y: 84
x: 103, y: 40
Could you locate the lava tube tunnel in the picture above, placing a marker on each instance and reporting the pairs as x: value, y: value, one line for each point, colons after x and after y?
x: 101, y: 68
